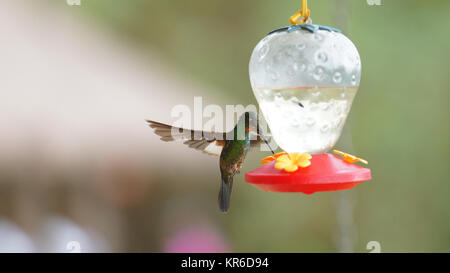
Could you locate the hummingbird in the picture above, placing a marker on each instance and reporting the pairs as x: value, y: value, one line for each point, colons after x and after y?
x: 231, y: 147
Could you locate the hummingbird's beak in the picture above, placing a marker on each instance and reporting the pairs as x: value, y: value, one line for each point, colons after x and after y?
x: 265, y: 140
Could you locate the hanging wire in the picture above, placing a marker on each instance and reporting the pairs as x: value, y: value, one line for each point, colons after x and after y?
x: 345, y: 201
x: 301, y: 16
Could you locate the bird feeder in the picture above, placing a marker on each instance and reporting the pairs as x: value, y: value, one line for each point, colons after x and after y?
x: 305, y: 77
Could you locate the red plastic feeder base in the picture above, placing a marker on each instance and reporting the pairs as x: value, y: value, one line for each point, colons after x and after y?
x: 326, y: 173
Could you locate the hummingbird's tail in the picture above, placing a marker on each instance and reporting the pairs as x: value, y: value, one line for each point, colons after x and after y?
x: 226, y: 185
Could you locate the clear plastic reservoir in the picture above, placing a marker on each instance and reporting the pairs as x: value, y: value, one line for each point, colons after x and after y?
x: 305, y: 83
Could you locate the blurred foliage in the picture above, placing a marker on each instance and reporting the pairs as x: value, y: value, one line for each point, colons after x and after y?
x: 400, y: 121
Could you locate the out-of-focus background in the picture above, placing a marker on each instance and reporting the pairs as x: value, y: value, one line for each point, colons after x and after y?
x: 80, y: 170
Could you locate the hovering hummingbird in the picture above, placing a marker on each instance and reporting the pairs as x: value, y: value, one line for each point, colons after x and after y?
x: 232, y: 147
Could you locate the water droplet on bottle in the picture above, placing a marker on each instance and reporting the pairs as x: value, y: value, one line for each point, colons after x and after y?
x: 273, y: 75
x: 283, y: 39
x: 310, y: 121
x: 337, y: 77
x: 339, y: 110
x: 282, y: 56
x: 318, y: 37
x: 300, y: 46
x: 322, y: 57
x: 294, y: 100
x: 325, y: 106
x: 318, y: 73
x: 324, y: 128
x: 302, y: 67
x: 353, y: 79
x: 287, y: 114
x: 263, y: 51
x: 299, y: 67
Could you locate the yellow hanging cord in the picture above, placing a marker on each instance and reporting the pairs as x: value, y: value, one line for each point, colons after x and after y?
x: 302, y: 15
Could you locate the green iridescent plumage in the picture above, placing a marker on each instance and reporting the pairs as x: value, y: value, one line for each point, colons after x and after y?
x: 232, y: 147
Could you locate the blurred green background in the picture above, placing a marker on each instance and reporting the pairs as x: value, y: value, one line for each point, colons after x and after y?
x: 399, y: 122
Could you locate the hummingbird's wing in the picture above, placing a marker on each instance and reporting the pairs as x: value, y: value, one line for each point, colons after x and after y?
x: 208, y: 142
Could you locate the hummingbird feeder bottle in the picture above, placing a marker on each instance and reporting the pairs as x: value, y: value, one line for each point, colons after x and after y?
x: 305, y: 77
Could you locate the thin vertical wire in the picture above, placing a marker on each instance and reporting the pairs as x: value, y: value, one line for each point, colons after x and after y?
x: 346, y: 233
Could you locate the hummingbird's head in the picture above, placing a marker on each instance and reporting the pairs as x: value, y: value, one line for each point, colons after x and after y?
x: 252, y: 125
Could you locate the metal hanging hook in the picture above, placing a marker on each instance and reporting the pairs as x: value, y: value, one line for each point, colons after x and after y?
x: 301, y: 16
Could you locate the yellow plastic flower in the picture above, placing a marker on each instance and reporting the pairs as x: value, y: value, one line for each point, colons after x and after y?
x: 271, y: 158
x: 350, y: 158
x: 291, y: 162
